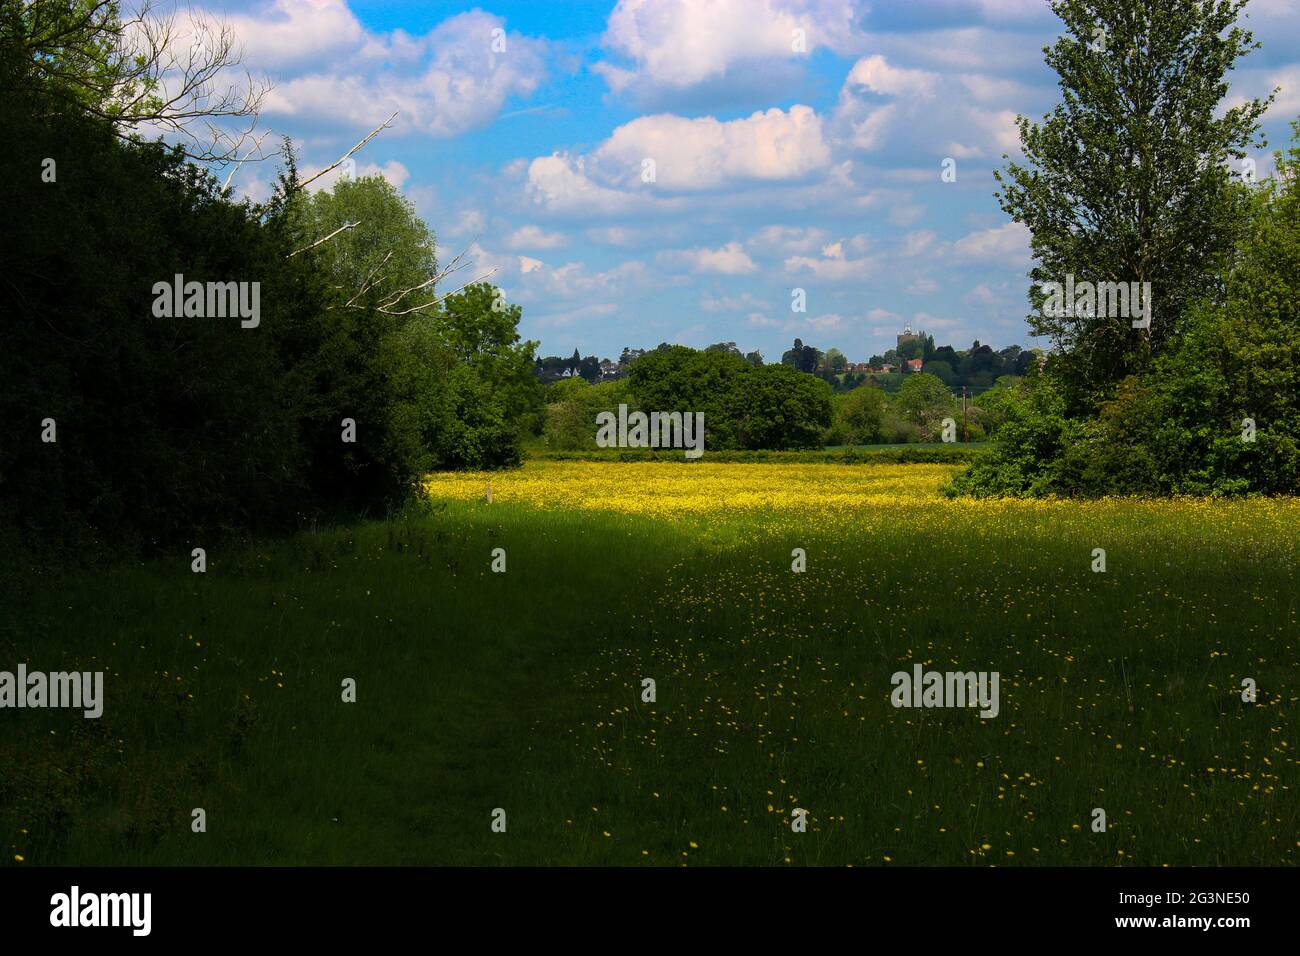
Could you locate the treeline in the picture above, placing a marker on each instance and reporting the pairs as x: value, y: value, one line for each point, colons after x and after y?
x: 745, y: 406
x: 127, y: 428
x: 769, y: 407
x: 977, y: 367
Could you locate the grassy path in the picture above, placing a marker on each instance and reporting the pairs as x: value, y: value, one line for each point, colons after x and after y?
x: 523, y: 690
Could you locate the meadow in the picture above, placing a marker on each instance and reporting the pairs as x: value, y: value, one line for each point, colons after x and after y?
x: 522, y: 690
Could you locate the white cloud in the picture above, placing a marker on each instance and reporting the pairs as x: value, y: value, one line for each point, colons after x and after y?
x: 441, y: 85
x: 1287, y: 104
x: 678, y: 44
x: 829, y: 322
x: 832, y: 269
x: 876, y: 75
x: 291, y: 33
x: 1007, y: 244
x: 729, y: 260
x: 916, y: 243
x: 534, y: 237
x: 559, y: 183
x: 726, y: 303
x: 787, y: 240
x: 705, y: 153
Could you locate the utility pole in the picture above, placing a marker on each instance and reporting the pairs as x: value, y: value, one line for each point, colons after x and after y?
x: 965, y: 433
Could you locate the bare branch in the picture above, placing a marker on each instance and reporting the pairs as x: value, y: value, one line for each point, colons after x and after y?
x: 257, y: 145
x: 366, y: 284
x: 346, y: 225
x: 439, y: 299
x: 342, y: 159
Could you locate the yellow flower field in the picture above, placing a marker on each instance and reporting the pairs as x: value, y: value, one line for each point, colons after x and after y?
x: 847, y: 495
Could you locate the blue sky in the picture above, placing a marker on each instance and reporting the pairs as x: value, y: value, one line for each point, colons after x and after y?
x: 774, y: 168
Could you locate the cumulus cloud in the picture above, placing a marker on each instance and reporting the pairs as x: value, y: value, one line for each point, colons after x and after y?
x: 560, y: 183
x: 883, y: 106
x: 874, y: 74
x: 288, y: 34
x: 534, y: 237
x: 705, y: 153
x: 1007, y: 244
x: 787, y: 240
x: 728, y: 260
x: 832, y: 269
x: 685, y: 155
x: 442, y: 84
x: 674, y: 45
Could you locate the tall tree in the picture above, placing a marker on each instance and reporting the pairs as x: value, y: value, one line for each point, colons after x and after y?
x: 1128, y: 178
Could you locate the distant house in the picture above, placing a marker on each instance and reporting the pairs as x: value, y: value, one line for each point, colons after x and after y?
x: 888, y: 367
x: 914, y: 365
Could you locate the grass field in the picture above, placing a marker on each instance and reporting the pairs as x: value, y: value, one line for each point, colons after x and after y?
x: 522, y: 690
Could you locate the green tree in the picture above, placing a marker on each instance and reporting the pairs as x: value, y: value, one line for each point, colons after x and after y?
x: 82, y: 56
x: 1126, y: 179
x: 924, y: 400
x: 477, y: 384
x: 778, y: 408
x: 861, y: 416
x: 941, y: 370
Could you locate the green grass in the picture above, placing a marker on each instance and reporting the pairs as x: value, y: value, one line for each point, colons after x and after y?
x: 522, y: 691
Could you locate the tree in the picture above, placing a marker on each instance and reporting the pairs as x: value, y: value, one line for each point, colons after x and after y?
x: 142, y: 73
x: 861, y: 416
x: 730, y: 348
x: 168, y: 429
x: 924, y: 400
x: 835, y: 361
x: 941, y: 370
x: 744, y: 406
x: 437, y: 380
x: 911, y: 349
x: 1126, y: 179
x: 777, y: 408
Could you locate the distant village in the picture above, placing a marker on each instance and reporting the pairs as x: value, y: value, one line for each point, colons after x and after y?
x: 978, y: 366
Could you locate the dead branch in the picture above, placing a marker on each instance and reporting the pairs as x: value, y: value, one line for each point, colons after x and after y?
x: 342, y: 159
x: 346, y: 225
